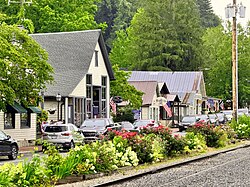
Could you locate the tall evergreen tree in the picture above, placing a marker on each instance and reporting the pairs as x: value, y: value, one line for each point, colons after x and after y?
x: 208, y: 18
x: 163, y: 35
x: 117, y: 14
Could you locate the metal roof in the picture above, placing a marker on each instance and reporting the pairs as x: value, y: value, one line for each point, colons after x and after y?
x: 183, y: 84
x: 176, y: 81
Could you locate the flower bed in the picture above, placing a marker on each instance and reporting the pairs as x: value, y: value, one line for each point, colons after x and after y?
x: 115, y: 150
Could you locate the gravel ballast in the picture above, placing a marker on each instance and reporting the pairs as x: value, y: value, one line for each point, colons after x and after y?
x: 224, y: 169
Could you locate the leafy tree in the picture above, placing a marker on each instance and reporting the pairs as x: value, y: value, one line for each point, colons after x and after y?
x: 163, y: 35
x: 121, y: 84
x: 24, y: 68
x: 218, y: 78
x: 208, y: 18
x: 56, y: 16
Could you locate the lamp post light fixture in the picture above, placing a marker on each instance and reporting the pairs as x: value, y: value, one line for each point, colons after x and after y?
x: 231, y: 11
x: 58, y: 98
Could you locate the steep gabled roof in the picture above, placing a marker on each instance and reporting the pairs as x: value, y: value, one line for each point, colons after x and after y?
x: 70, y: 54
x: 176, y: 81
x: 149, y: 88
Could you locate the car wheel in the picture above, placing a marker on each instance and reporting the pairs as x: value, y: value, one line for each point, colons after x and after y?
x: 14, y: 152
x: 180, y: 129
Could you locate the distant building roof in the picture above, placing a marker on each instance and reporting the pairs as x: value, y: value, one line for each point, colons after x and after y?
x: 183, y: 84
x: 70, y: 54
x: 176, y: 81
x: 148, y: 88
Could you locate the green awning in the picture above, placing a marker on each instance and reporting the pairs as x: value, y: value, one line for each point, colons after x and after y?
x: 34, y: 109
x: 16, y: 108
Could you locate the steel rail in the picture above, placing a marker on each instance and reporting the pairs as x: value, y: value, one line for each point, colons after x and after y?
x: 169, y: 166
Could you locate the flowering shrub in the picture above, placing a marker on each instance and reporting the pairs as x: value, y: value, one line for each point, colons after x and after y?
x: 211, y: 133
x: 105, y: 155
x: 127, y: 158
x: 164, y: 132
x: 242, y: 128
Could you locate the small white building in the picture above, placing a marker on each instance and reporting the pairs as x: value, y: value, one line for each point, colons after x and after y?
x: 20, y: 123
x: 82, y: 75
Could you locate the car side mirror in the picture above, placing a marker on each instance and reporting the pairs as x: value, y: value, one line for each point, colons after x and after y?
x: 8, y: 137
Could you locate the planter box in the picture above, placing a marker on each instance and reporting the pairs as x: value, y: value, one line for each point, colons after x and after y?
x: 70, y: 179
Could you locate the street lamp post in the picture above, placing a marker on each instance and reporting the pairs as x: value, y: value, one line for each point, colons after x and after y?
x: 231, y: 11
x: 58, y: 98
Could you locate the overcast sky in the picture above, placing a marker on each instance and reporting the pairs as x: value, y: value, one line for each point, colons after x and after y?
x: 219, y: 9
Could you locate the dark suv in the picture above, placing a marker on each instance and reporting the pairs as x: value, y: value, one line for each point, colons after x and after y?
x: 8, y: 146
x: 93, y: 128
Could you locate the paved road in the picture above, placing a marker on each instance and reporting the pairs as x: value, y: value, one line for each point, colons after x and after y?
x: 225, y: 170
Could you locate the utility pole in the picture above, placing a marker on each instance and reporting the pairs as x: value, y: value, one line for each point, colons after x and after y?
x: 234, y: 62
x: 231, y: 11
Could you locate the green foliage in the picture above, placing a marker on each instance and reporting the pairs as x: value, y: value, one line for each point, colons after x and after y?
x: 195, y: 142
x: 208, y: 18
x: 24, y: 67
x: 124, y: 114
x: 42, y: 117
x: 55, y: 16
x: 162, y: 36
x: 218, y: 53
x: 105, y: 156
x: 53, y: 160
x: 214, y: 135
x: 117, y: 14
x: 242, y: 128
x: 6, y: 175
x: 118, y: 86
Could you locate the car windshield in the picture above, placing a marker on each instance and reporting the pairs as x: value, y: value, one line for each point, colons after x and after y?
x: 213, y: 116
x: 56, y: 128
x: 203, y: 117
x: 96, y: 123
x: 142, y: 123
x: 228, y: 112
x: 220, y: 115
x: 127, y: 125
x: 189, y: 119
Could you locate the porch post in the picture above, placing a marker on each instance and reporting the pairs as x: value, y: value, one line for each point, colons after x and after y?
x: 66, y: 116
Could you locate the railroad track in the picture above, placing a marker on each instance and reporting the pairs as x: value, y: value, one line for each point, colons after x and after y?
x: 180, y: 172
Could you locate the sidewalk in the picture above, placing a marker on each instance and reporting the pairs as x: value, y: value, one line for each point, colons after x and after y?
x: 30, y: 149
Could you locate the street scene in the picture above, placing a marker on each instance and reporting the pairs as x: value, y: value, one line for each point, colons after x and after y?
x: 124, y: 93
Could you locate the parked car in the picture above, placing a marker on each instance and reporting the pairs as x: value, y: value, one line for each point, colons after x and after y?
x: 138, y: 124
x: 126, y: 125
x: 213, y: 119
x: 222, y: 118
x: 229, y: 114
x: 188, y: 121
x: 63, y: 135
x: 242, y: 111
x: 203, y: 118
x: 8, y: 146
x: 93, y: 128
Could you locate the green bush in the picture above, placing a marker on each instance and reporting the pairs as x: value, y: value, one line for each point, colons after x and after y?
x: 211, y: 133
x: 195, y: 142
x: 242, y: 128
